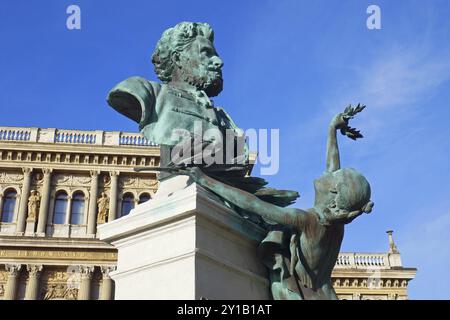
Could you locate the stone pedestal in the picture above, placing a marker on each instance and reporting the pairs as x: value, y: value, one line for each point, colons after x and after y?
x: 30, y: 226
x: 186, y: 244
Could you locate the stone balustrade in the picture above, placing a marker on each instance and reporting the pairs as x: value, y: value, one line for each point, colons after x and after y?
x: 65, y: 136
x: 134, y: 139
x: 14, y: 134
x: 364, y: 260
x: 68, y: 136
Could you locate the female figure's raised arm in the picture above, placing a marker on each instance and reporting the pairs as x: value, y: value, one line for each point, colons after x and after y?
x: 340, y: 121
x: 248, y: 201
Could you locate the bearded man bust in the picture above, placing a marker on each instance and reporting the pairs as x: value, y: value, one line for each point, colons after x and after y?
x: 190, y: 70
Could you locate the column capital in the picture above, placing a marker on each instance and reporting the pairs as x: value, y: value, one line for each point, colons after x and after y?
x: 47, y: 171
x: 106, y: 271
x: 94, y: 172
x: 13, y: 269
x: 86, y: 271
x: 27, y: 170
x: 34, y: 269
x: 114, y: 173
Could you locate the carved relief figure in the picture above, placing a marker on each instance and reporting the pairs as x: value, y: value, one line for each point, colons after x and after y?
x: 103, y: 208
x: 33, y: 205
x: 51, y: 292
x: 60, y: 291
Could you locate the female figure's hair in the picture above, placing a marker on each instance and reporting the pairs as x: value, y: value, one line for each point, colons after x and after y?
x: 353, y: 190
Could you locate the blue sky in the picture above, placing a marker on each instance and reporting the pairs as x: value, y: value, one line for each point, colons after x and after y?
x: 289, y: 65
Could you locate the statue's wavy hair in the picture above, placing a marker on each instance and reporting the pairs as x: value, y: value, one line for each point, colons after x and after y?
x: 352, y: 196
x: 177, y: 39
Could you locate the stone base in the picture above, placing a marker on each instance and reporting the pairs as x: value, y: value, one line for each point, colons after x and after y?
x: 30, y: 228
x: 186, y: 244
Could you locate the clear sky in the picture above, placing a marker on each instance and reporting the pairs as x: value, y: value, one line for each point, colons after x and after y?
x: 289, y: 65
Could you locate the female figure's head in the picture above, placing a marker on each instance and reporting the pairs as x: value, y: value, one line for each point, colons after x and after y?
x: 342, y: 192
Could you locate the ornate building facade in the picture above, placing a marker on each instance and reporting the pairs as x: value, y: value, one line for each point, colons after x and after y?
x: 57, y: 185
x: 372, y: 276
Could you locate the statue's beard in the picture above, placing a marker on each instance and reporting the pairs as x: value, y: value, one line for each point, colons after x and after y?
x: 209, y: 81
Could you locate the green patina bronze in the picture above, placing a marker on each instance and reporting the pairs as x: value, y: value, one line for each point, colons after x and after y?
x: 190, y: 69
x: 301, y: 246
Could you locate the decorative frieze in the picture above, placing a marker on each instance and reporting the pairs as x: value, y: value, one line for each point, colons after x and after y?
x: 70, y: 180
x: 59, y: 291
x: 9, y: 177
x: 60, y: 254
x: 138, y: 183
x: 369, y: 282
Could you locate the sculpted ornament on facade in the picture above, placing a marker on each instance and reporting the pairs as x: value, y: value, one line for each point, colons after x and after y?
x: 103, y: 208
x: 86, y: 271
x: 148, y: 184
x: 6, y: 177
x: 106, y: 270
x: 137, y: 184
x: 34, y: 270
x: 57, y: 276
x: 61, y: 179
x: 106, y: 180
x: 13, y: 270
x: 71, y: 180
x: 37, y: 180
x: 129, y: 182
x: 60, y: 291
x: 34, y: 202
x: 81, y: 181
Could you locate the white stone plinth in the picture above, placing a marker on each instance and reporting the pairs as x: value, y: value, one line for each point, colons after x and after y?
x: 29, y: 228
x: 186, y: 244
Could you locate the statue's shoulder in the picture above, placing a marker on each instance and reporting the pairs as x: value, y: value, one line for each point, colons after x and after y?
x: 135, y: 98
x: 137, y: 86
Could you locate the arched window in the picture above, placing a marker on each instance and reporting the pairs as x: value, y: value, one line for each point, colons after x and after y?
x: 59, y: 213
x: 127, y: 203
x: 77, y: 212
x: 9, y: 204
x: 144, y: 198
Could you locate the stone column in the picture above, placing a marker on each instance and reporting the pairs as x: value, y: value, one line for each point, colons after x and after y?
x: 45, y: 199
x: 107, y: 284
x: 113, y: 196
x: 23, y: 206
x: 84, y: 293
x: 68, y: 210
x: 12, y: 282
x: 1, y: 204
x: 34, y: 277
x: 92, y: 211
